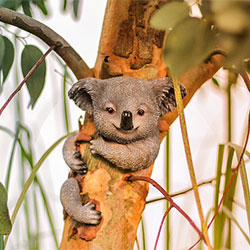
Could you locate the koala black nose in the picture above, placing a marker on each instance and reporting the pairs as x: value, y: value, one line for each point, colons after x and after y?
x: 126, y: 120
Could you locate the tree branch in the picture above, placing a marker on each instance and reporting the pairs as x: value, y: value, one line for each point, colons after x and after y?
x: 50, y: 37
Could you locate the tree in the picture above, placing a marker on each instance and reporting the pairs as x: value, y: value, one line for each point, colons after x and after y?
x: 129, y: 46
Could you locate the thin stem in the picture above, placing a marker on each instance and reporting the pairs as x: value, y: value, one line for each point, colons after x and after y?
x: 26, y: 78
x: 167, y: 196
x: 180, y: 109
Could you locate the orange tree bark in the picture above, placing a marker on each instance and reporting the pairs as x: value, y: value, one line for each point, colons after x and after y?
x: 128, y: 46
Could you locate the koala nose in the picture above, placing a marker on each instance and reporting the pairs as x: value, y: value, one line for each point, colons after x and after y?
x: 126, y: 120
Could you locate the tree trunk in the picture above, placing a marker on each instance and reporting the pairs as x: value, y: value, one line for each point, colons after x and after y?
x: 128, y: 46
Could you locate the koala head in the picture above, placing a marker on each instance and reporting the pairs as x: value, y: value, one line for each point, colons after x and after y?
x: 125, y: 109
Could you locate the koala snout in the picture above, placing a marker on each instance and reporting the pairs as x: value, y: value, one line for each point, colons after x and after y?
x: 126, y: 120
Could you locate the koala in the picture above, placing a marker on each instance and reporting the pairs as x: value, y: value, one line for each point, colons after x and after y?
x: 125, y: 112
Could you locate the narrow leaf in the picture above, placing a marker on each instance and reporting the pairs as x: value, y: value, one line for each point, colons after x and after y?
x: 215, y: 82
x: 169, y: 15
x: 5, y: 224
x: 41, y: 5
x: 30, y: 55
x: 26, y: 8
x: 65, y: 2
x: 230, y: 215
x: 8, y: 57
x: 76, y: 4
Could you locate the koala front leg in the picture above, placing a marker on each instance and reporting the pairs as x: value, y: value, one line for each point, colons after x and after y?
x: 133, y: 156
x: 71, y: 201
x: 73, y: 157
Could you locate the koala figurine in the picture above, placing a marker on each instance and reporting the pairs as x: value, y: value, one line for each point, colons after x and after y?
x: 125, y: 112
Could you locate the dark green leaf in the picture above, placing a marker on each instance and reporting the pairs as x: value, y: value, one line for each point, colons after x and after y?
x: 5, y: 223
x: 41, y: 5
x: 8, y: 58
x: 26, y: 8
x: 169, y: 15
x: 76, y: 4
x: 2, y: 50
x: 10, y: 4
x: 188, y: 44
x: 65, y: 3
x: 215, y: 82
x: 30, y: 55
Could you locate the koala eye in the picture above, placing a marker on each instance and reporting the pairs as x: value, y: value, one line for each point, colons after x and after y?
x: 140, y: 112
x: 110, y: 110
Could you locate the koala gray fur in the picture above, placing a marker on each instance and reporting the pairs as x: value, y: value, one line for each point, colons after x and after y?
x: 125, y: 112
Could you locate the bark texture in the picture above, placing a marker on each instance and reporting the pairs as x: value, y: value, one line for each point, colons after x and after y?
x: 128, y: 46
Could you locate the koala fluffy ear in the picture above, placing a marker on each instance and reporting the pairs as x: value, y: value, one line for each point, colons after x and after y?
x: 164, y: 91
x: 82, y: 93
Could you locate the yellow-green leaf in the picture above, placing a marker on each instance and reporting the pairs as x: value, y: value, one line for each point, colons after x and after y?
x: 169, y: 15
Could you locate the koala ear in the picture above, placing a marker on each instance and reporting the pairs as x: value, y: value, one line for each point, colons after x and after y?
x: 82, y: 93
x: 164, y: 91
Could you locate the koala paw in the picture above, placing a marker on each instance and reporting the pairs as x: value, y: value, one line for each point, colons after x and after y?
x: 97, y: 145
x: 75, y: 162
x: 91, y: 215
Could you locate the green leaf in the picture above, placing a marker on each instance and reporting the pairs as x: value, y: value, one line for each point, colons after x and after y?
x: 30, y: 55
x: 26, y: 8
x: 8, y: 57
x: 65, y: 3
x: 215, y: 82
x: 76, y: 4
x: 188, y: 44
x: 5, y: 224
x: 41, y: 5
x: 2, y: 50
x: 170, y: 15
x: 10, y: 4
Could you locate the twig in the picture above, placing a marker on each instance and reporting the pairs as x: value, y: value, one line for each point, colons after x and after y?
x: 183, y: 191
x: 231, y: 181
x: 167, y: 196
x: 26, y: 78
x: 63, y: 48
x: 163, y: 218
x: 246, y: 79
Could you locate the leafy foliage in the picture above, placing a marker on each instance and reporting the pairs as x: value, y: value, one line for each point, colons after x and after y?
x: 223, y: 25
x: 5, y: 224
x: 30, y: 55
x: 6, y: 55
x: 26, y: 5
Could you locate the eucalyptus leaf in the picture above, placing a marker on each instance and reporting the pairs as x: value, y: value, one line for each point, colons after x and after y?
x: 10, y: 4
x: 188, y: 44
x: 5, y: 223
x: 41, y: 5
x: 76, y: 4
x: 2, y: 50
x: 30, y: 55
x: 215, y: 82
x: 65, y: 3
x: 26, y: 8
x: 169, y: 15
x: 8, y: 58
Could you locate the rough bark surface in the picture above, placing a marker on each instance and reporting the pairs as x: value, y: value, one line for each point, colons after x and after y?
x: 128, y: 46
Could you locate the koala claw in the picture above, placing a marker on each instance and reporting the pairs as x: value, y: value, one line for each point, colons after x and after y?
x: 94, y: 216
x: 92, y: 147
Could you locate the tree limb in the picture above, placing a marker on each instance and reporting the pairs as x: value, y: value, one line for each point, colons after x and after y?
x: 50, y: 37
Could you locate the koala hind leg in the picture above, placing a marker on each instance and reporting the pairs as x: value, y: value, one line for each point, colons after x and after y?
x: 71, y: 201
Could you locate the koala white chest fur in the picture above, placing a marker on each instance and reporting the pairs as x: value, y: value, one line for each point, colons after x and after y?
x: 125, y: 112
